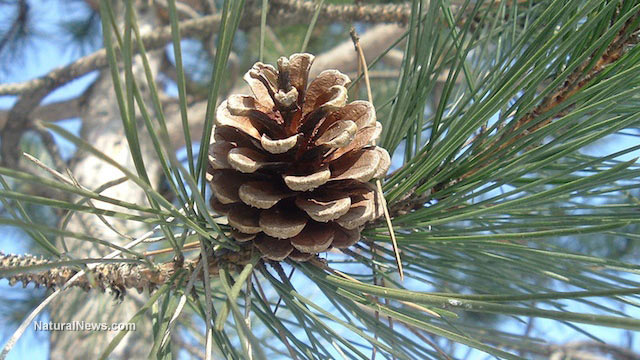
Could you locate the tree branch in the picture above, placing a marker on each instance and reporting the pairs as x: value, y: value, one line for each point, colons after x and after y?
x: 115, y: 276
x: 281, y: 11
x: 383, y: 13
x: 56, y: 111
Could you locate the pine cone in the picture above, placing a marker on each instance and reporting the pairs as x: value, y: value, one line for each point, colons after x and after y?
x: 290, y: 166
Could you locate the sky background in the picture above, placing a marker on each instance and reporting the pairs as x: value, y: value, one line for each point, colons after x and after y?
x: 50, y: 55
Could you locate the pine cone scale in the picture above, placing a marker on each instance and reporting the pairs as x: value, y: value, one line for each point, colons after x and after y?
x: 262, y: 194
x: 320, y: 90
x: 358, y: 165
x: 242, y: 123
x: 272, y: 248
x: 307, y: 182
x: 314, y: 238
x: 279, y: 223
x: 299, y: 66
x: 225, y: 185
x: 280, y: 146
x: 326, y: 210
x: 244, y: 218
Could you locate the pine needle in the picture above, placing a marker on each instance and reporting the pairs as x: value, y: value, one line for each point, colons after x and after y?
x: 356, y: 43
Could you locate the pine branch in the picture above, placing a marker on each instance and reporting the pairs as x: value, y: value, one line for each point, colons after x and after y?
x: 54, y: 111
x: 574, y: 83
x: 297, y: 9
x: 289, y: 11
x: 560, y: 98
x: 115, y: 276
x: 119, y: 276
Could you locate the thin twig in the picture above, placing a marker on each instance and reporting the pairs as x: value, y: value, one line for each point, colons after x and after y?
x: 435, y: 346
x: 394, y: 241
x: 101, y: 217
x: 48, y: 169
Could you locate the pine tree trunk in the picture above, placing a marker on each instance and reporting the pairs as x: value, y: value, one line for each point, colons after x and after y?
x: 102, y: 127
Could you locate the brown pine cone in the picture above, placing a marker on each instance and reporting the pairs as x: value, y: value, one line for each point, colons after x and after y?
x: 290, y: 166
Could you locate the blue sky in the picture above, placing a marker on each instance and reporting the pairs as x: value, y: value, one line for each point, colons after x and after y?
x: 49, y: 55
